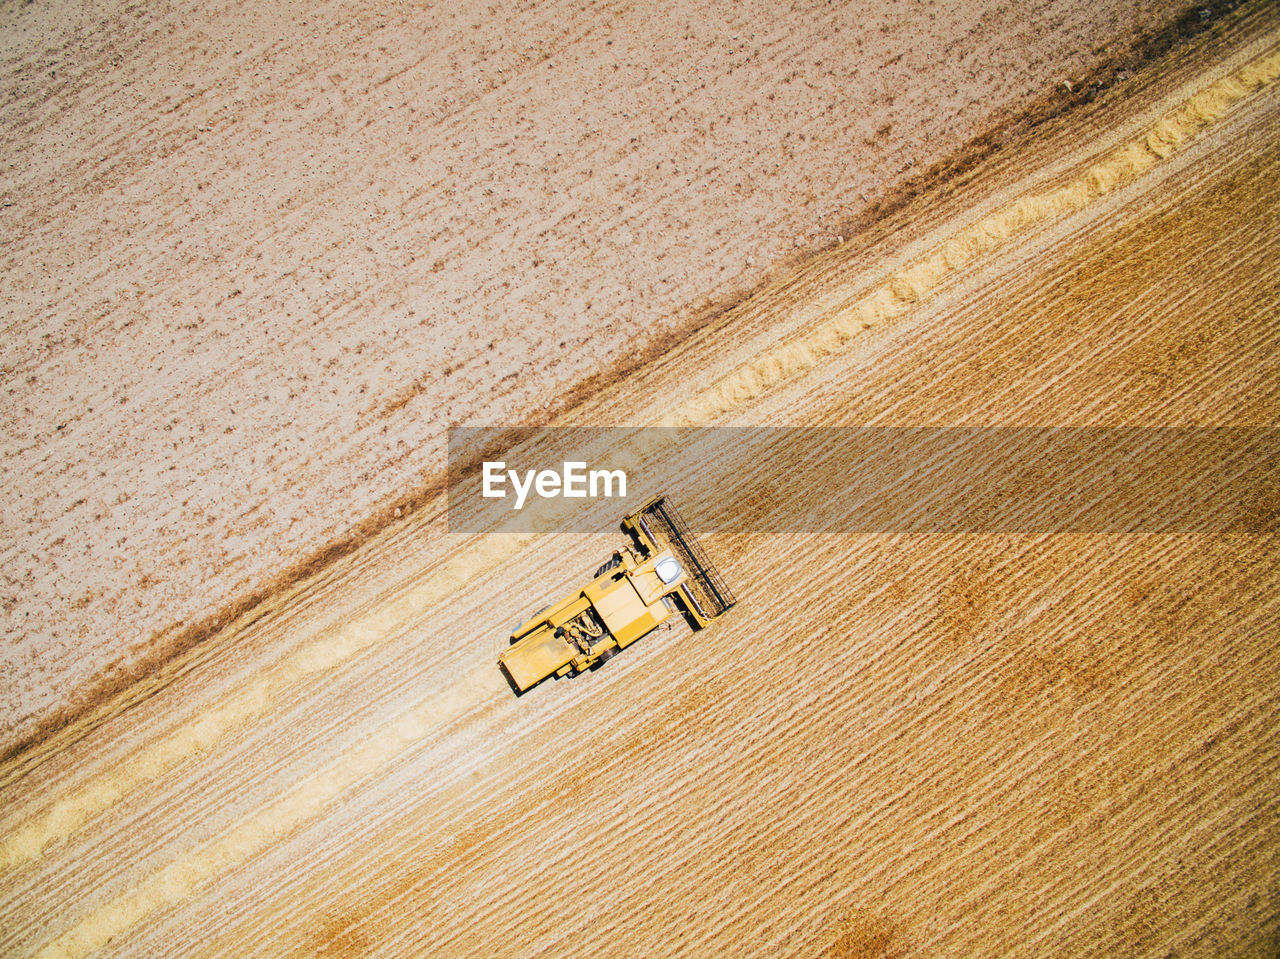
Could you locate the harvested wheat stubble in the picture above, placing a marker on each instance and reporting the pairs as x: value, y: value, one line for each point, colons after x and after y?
x: 930, y: 745
x: 890, y: 299
x: 253, y: 262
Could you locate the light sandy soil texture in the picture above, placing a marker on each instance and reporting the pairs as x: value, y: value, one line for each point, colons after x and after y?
x: 254, y: 259
x: 893, y: 745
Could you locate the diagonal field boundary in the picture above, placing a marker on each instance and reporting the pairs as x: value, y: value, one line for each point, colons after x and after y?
x: 68, y: 814
x: 918, y: 279
x: 893, y: 297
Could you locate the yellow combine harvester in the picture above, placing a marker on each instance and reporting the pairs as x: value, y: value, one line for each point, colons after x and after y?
x: 632, y: 594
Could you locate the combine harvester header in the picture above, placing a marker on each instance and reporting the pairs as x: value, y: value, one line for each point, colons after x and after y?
x: 632, y: 594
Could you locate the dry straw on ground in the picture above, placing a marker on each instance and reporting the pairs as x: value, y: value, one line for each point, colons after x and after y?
x: 892, y: 298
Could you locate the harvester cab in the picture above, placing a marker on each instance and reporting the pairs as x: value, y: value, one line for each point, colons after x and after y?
x: 664, y: 571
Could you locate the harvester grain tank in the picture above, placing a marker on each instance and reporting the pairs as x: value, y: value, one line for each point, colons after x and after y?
x: 664, y: 572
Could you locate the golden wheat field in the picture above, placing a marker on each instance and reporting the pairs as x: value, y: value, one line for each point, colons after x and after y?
x: 895, y: 744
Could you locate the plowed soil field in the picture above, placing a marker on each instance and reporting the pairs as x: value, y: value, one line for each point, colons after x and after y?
x: 894, y: 745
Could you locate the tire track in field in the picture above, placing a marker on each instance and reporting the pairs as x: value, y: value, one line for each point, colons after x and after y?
x: 70, y: 813
x: 307, y: 799
x: 892, y: 298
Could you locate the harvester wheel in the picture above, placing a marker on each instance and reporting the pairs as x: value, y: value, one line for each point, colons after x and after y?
x: 614, y: 563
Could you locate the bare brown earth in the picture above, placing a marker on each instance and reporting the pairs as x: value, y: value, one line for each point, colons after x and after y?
x: 894, y: 745
x: 254, y: 259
